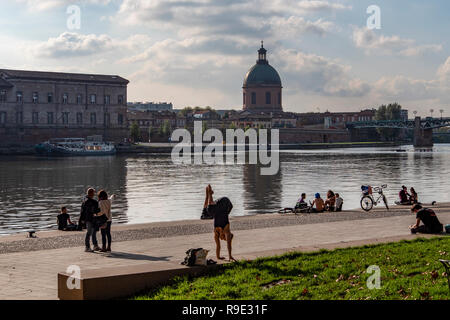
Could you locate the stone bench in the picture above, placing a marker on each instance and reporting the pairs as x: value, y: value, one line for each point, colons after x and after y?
x: 119, y: 282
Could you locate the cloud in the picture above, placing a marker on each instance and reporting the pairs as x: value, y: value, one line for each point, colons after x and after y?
x: 69, y: 44
x: 374, y: 43
x: 251, y: 18
x: 319, y: 75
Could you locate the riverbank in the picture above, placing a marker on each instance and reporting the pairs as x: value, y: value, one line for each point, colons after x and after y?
x: 31, y: 273
x: 128, y: 232
x: 166, y: 148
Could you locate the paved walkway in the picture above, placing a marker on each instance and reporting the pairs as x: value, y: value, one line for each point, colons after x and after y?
x: 33, y: 275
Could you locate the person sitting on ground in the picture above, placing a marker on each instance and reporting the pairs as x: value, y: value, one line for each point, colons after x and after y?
x: 220, y: 210
x: 413, y: 198
x: 339, y: 203
x: 431, y: 223
x: 301, y: 204
x: 404, y: 196
x: 318, y: 205
x: 63, y: 220
x: 330, y: 202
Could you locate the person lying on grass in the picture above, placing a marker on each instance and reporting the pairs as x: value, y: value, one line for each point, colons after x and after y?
x: 429, y: 219
x: 220, y: 210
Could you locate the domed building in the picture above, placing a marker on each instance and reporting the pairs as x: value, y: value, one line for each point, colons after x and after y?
x: 262, y: 89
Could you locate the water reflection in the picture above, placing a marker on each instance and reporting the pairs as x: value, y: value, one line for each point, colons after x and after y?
x: 152, y: 188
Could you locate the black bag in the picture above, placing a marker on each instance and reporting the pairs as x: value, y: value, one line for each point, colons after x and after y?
x: 189, y: 260
x: 99, y: 221
x: 206, y: 215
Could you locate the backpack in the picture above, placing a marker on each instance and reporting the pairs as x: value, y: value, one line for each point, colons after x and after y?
x: 191, y: 256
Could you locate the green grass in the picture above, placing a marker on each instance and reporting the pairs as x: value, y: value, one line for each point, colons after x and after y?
x: 409, y: 270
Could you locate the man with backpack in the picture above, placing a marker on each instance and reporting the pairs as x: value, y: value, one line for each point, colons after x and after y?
x: 89, y: 209
x: 220, y: 210
x: 429, y: 219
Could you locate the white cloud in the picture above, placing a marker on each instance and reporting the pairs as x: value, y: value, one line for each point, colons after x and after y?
x: 374, y: 43
x: 320, y: 75
x: 69, y: 44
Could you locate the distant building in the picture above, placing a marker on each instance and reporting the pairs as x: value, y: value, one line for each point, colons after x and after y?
x: 36, y: 106
x: 262, y: 89
x: 154, y: 120
x: 150, y: 106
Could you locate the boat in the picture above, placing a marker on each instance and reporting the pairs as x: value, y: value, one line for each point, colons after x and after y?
x: 75, y: 147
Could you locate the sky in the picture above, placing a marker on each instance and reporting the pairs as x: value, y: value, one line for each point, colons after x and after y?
x: 197, y: 52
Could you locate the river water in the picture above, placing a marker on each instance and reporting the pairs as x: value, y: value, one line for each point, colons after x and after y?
x: 150, y: 188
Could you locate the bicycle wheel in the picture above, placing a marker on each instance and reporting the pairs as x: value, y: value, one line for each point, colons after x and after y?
x: 385, y: 202
x: 366, y: 203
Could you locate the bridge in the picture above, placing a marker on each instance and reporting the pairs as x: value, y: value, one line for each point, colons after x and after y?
x: 423, y: 128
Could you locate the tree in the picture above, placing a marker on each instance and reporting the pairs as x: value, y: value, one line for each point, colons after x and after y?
x: 204, y: 126
x: 390, y: 112
x: 135, y: 132
x: 150, y: 131
x: 166, y: 128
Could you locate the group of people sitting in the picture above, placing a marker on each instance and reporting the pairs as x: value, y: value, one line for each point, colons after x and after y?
x: 408, y: 198
x: 333, y: 202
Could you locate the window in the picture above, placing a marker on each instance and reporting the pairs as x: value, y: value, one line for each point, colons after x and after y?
x: 79, y: 118
x: 19, y: 117
x: 19, y: 96
x: 279, y: 98
x: 2, y: 95
x: 65, y: 98
x: 50, y: 97
x: 244, y: 98
x: 93, y: 99
x: 253, y: 98
x: 120, y: 99
x: 268, y: 98
x: 93, y: 118
x: 35, y: 117
x: 106, y: 119
x: 50, y: 118
x: 79, y: 99
x: 107, y: 99
x: 120, y: 119
x: 2, y: 117
x: 65, y: 118
x: 35, y: 97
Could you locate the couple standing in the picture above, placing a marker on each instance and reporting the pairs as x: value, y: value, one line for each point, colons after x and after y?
x: 97, y: 215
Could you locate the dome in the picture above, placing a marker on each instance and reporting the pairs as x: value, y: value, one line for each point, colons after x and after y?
x: 262, y: 74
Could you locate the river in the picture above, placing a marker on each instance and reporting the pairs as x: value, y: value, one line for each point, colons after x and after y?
x: 150, y: 188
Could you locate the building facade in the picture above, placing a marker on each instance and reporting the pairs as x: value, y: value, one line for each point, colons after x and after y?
x: 262, y: 89
x: 36, y: 106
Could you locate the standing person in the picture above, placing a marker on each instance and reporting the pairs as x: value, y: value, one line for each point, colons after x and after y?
x: 220, y: 210
x: 105, y: 204
x: 431, y: 223
x: 89, y: 209
x: 318, y: 203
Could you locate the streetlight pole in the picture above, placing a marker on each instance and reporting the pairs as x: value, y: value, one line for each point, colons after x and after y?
x: 431, y: 111
x: 441, y: 111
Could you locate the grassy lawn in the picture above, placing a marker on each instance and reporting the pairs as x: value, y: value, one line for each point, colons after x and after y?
x: 409, y: 270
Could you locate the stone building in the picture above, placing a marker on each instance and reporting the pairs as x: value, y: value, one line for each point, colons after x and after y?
x: 262, y: 89
x: 36, y: 106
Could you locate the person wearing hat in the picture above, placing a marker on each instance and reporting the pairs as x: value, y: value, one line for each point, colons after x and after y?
x: 430, y: 222
x: 318, y: 205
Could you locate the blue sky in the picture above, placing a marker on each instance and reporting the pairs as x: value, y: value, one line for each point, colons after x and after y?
x: 196, y: 52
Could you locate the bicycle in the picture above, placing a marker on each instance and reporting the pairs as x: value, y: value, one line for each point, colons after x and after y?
x: 368, y: 201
